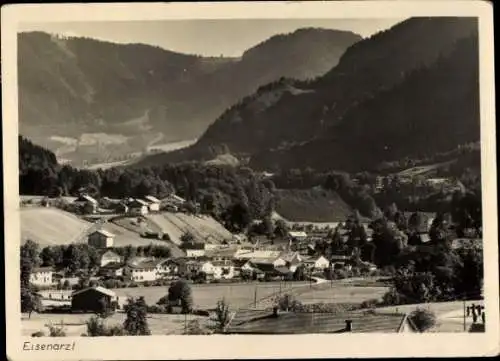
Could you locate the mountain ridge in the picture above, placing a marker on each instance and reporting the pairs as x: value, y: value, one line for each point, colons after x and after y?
x: 94, y: 86
x: 316, y: 119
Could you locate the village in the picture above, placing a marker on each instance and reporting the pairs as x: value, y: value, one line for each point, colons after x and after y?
x: 251, y: 272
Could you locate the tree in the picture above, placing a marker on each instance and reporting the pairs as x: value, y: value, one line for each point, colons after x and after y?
x: 29, y: 259
x: 180, y: 292
x: 238, y: 217
x: 281, y: 229
x: 30, y: 302
x: 187, y: 238
x: 222, y: 315
x: 136, y: 323
x: 300, y: 273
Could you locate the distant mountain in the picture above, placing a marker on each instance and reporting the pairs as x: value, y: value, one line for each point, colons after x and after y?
x: 409, y: 91
x: 72, y: 86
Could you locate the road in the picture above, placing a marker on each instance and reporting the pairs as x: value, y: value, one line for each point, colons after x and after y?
x: 449, y: 315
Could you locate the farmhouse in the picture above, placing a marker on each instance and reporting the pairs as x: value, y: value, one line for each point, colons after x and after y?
x: 141, y: 270
x: 171, y: 208
x: 101, y: 239
x: 275, y: 322
x: 92, y: 299
x: 41, y: 276
x: 112, y: 270
x: 109, y: 257
x: 153, y: 203
x: 138, y: 207
x: 195, y: 250
x: 89, y: 204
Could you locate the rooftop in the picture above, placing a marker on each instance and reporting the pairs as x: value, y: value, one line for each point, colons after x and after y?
x: 104, y: 233
x: 152, y: 199
x: 98, y: 289
x: 264, y: 322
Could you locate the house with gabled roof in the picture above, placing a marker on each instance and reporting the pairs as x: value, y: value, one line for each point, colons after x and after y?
x: 138, y: 207
x: 277, y: 322
x: 89, y: 204
x: 101, y: 239
x: 153, y: 203
x: 109, y: 257
x: 91, y: 299
x: 317, y: 263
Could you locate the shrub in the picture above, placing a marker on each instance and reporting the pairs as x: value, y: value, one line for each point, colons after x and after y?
x: 477, y: 327
x: 287, y: 302
x: 423, y: 319
x: 339, y: 274
x: 55, y: 331
x: 147, y: 284
x: 38, y: 334
x: 136, y: 323
x: 96, y: 327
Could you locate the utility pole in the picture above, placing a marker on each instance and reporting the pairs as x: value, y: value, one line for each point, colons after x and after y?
x: 465, y: 327
x: 185, y: 323
x: 255, y: 298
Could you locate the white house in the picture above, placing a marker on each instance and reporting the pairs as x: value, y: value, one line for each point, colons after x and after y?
x: 153, y: 203
x: 223, y: 269
x: 317, y: 263
x: 138, y: 207
x: 41, y: 276
x: 196, y: 250
x: 101, y: 239
x: 109, y: 257
x: 141, y: 270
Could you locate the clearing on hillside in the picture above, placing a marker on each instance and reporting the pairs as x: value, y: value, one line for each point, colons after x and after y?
x: 202, y: 227
x: 312, y: 205
x: 51, y: 226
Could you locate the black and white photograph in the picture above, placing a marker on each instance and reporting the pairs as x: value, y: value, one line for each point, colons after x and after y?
x: 231, y: 176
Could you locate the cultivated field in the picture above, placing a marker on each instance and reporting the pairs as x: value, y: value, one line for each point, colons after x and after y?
x: 74, y: 324
x: 124, y: 237
x: 176, y: 224
x: 50, y: 226
x: 206, y: 296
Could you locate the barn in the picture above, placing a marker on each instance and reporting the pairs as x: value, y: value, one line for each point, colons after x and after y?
x: 92, y: 299
x: 101, y: 239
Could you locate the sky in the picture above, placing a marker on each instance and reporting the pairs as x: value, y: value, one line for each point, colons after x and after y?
x: 228, y: 37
